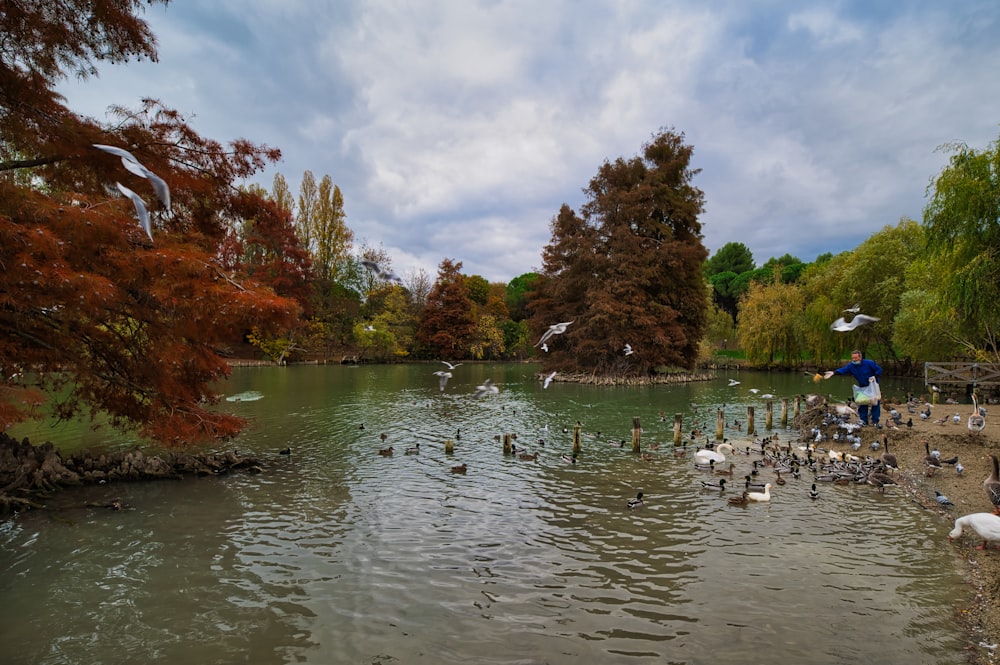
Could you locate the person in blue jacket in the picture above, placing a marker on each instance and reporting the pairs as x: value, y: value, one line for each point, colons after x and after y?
x: 864, y: 372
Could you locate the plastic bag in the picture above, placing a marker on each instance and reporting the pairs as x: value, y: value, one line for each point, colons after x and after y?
x: 870, y: 394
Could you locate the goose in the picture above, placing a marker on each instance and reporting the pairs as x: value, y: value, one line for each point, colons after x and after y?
x: 637, y: 502
x: 879, y: 479
x: 992, y: 485
x: 986, y: 525
x: 760, y: 496
x: 933, y: 463
x: 704, y: 455
x: 977, y: 421
x: 888, y: 459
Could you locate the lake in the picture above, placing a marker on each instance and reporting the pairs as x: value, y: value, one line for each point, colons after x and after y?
x: 336, y: 554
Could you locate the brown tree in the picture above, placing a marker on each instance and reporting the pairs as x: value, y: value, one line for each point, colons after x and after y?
x: 91, y: 307
x: 629, y: 271
x: 446, y: 323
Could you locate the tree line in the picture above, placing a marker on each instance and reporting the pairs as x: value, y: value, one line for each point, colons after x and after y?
x: 133, y: 259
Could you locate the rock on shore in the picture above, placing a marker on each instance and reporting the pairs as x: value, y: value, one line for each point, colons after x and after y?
x: 28, y: 473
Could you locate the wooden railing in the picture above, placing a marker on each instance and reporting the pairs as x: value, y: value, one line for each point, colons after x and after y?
x: 966, y: 374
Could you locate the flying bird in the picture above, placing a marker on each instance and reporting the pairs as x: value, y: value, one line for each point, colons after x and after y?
x: 555, y: 329
x: 628, y: 350
x: 133, y: 165
x: 380, y: 272
x: 840, y: 325
x: 451, y: 366
x: 443, y: 377
x: 140, y: 209
x: 486, y: 389
x: 548, y: 380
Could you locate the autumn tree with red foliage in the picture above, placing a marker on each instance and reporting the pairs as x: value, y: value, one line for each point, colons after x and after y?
x: 90, y: 308
x: 446, y: 322
x: 628, y: 270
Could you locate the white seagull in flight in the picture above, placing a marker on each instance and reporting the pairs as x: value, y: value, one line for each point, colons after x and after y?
x: 548, y: 380
x: 840, y: 325
x: 556, y: 329
x: 133, y: 165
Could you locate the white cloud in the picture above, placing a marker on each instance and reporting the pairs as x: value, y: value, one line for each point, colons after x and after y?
x: 456, y: 129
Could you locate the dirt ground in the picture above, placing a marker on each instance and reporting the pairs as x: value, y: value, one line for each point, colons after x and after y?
x: 982, y: 616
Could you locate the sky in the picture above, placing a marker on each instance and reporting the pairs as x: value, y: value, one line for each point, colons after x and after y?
x: 456, y: 129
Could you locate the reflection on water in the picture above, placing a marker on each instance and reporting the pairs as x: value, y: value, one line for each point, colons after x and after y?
x: 338, y: 555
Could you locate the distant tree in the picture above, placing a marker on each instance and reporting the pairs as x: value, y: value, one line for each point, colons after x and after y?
x: 962, y: 222
x: 91, y: 308
x: 631, y: 270
x: 282, y: 195
x: 479, y: 288
x: 487, y: 339
x: 446, y: 326
x: 517, y: 294
x: 768, y: 323
x: 732, y: 257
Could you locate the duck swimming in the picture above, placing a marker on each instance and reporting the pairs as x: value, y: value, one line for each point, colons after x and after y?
x: 760, y: 496
x: 637, y: 502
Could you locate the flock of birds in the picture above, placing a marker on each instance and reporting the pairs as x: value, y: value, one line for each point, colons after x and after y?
x: 769, y: 464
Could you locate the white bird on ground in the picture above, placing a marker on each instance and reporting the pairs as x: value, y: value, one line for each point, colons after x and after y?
x: 555, y: 329
x: 133, y: 165
x: 548, y: 380
x: 486, y: 389
x: 986, y: 525
x: 140, y: 209
x: 628, y: 350
x: 840, y: 325
x: 443, y: 377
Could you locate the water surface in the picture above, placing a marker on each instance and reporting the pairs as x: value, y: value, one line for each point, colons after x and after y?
x: 336, y: 554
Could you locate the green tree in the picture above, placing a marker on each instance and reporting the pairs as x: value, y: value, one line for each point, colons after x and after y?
x: 479, y: 288
x: 518, y: 290
x: 962, y: 222
x: 768, y: 325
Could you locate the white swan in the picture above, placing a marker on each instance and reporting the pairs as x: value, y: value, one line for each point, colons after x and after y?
x: 986, y: 525
x: 706, y: 456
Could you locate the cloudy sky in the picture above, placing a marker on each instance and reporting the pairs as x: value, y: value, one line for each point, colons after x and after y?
x: 456, y: 128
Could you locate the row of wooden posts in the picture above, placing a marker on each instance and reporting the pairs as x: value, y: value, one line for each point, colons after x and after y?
x: 720, y: 425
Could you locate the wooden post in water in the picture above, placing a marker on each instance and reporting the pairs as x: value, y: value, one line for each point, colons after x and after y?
x: 750, y: 427
x: 449, y: 447
x: 784, y: 412
x: 768, y: 414
x: 720, y: 425
x: 506, y: 444
x: 636, y: 434
x: 678, y: 417
x: 798, y: 406
x: 576, y: 438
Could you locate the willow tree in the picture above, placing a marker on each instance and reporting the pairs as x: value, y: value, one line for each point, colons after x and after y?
x: 962, y: 222
x: 768, y: 328
x: 629, y: 269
